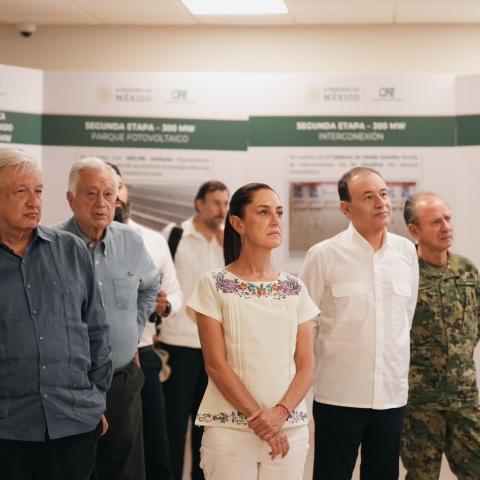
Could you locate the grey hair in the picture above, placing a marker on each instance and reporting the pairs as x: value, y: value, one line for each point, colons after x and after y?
x: 12, y: 157
x: 409, y: 213
x: 89, y: 163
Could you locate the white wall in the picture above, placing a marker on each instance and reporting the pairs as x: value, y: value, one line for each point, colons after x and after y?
x: 323, y: 49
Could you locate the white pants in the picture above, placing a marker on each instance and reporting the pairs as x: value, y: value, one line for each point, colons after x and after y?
x: 234, y: 454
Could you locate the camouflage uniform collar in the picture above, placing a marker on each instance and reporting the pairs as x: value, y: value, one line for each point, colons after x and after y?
x: 447, y: 270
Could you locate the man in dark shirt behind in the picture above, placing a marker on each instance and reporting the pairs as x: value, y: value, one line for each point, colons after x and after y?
x: 55, y: 359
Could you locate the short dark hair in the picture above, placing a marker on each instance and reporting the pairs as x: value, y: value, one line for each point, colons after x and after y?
x: 117, y: 170
x: 343, y: 192
x: 232, y: 242
x: 409, y: 213
x: 208, y: 187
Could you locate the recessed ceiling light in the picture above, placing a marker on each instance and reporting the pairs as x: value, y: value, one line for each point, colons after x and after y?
x: 236, y: 7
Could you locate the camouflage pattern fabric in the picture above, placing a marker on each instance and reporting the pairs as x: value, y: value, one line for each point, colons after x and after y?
x: 443, y: 413
x: 428, y: 432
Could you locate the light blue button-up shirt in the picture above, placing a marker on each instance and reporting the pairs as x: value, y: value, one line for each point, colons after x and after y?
x: 55, y: 364
x: 128, y: 282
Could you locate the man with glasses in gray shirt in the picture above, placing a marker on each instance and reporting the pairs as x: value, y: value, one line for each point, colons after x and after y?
x: 55, y: 364
x: 128, y: 282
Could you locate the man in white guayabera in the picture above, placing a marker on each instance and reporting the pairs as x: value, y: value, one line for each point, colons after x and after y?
x: 365, y: 282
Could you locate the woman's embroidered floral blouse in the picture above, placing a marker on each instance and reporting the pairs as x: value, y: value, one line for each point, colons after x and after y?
x: 260, y: 321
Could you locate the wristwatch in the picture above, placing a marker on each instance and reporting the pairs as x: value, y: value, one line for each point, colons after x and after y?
x: 168, y: 310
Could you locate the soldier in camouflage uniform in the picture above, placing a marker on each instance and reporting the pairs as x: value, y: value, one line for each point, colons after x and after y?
x: 443, y: 413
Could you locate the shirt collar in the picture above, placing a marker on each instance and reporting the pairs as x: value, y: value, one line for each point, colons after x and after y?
x: 39, y: 233
x: 104, y: 242
x: 361, y: 242
x: 188, y: 227
x: 42, y: 233
x: 190, y: 230
x: 438, y: 270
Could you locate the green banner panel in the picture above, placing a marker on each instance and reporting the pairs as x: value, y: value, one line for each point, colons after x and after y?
x: 24, y: 128
x: 468, y: 130
x: 94, y: 131
x: 68, y: 130
x: 352, y: 131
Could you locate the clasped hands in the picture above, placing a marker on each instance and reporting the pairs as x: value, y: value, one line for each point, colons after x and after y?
x: 267, y: 424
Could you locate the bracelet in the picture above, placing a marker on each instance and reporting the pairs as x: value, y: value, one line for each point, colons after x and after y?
x: 288, y: 412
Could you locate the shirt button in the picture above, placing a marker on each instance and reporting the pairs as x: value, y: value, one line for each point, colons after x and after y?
x: 45, y: 395
x: 44, y: 367
x: 40, y: 338
x: 34, y: 312
x: 100, y: 283
x: 28, y: 285
x: 96, y: 262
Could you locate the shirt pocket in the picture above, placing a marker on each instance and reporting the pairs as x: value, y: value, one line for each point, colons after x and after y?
x: 468, y: 295
x: 402, y: 293
x: 125, y: 290
x: 350, y: 301
x: 17, y: 345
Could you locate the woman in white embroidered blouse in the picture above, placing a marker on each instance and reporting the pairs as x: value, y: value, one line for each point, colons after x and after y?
x: 256, y: 339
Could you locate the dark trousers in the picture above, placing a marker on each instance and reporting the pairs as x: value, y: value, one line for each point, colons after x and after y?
x: 183, y: 393
x: 339, y: 431
x: 71, y: 458
x: 155, y: 439
x: 120, y: 450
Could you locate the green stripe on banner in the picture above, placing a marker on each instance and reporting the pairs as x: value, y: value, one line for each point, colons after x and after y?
x: 69, y: 130
x: 94, y: 131
x: 23, y: 128
x: 468, y: 130
x: 352, y: 131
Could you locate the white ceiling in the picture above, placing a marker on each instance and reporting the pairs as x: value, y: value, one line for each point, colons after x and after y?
x: 301, y: 12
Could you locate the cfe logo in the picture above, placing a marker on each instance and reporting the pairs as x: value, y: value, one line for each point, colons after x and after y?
x: 386, y: 92
x: 179, y: 95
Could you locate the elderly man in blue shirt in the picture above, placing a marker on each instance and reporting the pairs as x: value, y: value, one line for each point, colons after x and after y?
x: 128, y: 282
x: 55, y: 362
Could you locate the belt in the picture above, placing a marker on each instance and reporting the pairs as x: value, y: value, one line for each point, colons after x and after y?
x: 122, y: 369
x: 146, y: 348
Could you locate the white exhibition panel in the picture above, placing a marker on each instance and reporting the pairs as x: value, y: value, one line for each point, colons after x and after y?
x: 179, y: 129
x: 298, y: 133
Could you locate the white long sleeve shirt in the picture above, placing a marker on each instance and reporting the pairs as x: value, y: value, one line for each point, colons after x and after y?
x: 367, y: 301
x: 194, y: 257
x: 157, y: 247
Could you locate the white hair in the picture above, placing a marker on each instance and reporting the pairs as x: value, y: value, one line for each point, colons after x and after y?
x: 12, y: 157
x: 89, y: 163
